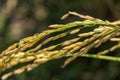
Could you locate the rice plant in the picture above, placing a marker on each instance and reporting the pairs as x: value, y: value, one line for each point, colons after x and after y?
x: 72, y: 40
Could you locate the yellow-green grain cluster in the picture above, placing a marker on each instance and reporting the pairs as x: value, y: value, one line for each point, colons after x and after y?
x: 72, y: 39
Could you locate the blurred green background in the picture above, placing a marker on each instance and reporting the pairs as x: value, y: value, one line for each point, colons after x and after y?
x: 22, y: 18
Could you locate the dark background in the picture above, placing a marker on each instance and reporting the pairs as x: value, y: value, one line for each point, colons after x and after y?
x: 22, y: 18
